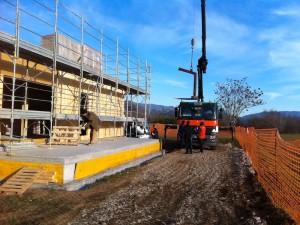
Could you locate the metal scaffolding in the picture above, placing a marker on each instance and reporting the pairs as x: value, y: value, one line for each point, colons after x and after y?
x: 76, y: 66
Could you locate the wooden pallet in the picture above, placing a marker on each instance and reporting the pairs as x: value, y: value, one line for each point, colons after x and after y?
x: 46, y: 177
x: 20, y: 181
x: 66, y: 135
x: 24, y: 178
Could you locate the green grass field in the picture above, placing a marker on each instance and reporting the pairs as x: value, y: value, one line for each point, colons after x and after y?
x: 290, y: 137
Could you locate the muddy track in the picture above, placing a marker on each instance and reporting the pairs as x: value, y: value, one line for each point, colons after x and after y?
x: 199, y: 188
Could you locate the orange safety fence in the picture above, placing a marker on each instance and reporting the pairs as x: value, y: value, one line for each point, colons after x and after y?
x: 277, y: 164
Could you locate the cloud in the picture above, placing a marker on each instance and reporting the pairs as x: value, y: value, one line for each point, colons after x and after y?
x: 150, y: 26
x: 295, y: 98
x: 226, y: 37
x: 286, y: 54
x: 287, y: 11
x: 272, y: 95
x: 291, y: 88
x: 174, y: 83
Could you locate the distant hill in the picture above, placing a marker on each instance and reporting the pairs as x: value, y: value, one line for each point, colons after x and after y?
x: 168, y: 111
x: 155, y: 110
x: 282, y: 113
x: 161, y: 108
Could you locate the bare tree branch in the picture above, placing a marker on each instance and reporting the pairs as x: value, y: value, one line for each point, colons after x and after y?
x: 236, y: 96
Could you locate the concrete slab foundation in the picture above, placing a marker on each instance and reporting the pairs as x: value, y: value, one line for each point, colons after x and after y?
x: 78, y: 166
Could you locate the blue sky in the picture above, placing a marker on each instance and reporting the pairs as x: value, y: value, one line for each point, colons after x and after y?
x: 257, y: 39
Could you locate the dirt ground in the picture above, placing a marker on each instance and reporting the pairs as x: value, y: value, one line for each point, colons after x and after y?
x: 214, y: 187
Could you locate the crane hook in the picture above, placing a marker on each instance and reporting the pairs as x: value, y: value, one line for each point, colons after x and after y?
x: 192, y: 43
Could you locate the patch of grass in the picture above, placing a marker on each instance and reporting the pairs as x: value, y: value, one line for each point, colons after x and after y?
x: 224, y: 140
x: 10, y: 220
x: 290, y: 137
x: 234, y: 143
x: 115, y: 176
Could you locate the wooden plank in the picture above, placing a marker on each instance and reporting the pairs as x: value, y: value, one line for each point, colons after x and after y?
x: 65, y: 138
x: 12, y: 190
x: 18, y: 181
x: 46, y: 177
x: 59, y: 132
x: 66, y: 127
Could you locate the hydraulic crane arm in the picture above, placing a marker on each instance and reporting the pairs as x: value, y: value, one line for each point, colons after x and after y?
x: 202, y: 61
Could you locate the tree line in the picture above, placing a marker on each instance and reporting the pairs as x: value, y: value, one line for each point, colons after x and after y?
x: 265, y: 120
x: 273, y: 119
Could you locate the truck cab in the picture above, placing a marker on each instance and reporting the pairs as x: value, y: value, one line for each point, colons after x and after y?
x: 195, y: 112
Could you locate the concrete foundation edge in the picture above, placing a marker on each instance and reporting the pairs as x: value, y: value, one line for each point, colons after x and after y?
x: 80, y: 184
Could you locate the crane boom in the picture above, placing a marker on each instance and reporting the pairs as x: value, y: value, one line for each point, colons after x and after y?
x: 194, y: 110
x: 202, y: 61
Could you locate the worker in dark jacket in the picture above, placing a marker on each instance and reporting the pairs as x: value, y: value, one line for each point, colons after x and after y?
x: 188, y: 133
x: 92, y: 121
x: 181, y: 134
x: 201, y: 135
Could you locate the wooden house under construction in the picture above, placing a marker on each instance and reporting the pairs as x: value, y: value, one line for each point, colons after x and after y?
x: 53, y: 67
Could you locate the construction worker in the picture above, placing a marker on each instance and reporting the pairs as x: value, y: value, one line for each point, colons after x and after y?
x: 201, y: 135
x: 154, y: 132
x: 188, y: 133
x: 180, y: 134
x: 92, y: 121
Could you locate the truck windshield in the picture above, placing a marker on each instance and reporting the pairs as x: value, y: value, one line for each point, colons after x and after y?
x: 206, y: 112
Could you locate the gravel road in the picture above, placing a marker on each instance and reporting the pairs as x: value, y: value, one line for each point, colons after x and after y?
x: 214, y: 187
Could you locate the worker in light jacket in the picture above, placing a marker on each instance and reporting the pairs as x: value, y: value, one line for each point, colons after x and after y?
x: 92, y: 121
x: 201, y: 135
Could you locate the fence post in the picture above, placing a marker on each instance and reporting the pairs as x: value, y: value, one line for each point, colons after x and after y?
x: 276, y: 172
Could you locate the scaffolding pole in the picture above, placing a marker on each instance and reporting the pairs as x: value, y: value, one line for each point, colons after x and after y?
x: 116, y: 86
x: 53, y: 74
x: 15, y: 57
x: 146, y: 95
x: 25, y: 122
x: 127, y: 92
x: 125, y: 77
